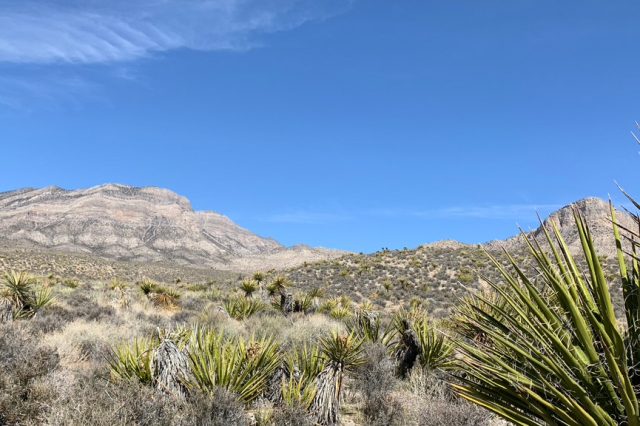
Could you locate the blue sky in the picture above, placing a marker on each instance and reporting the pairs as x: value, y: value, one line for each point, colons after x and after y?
x: 350, y: 124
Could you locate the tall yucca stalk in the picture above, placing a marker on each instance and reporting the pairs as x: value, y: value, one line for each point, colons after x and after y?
x: 239, y: 365
x: 549, y: 349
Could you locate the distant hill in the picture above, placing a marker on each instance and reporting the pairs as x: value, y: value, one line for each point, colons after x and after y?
x: 439, y: 273
x: 140, y: 225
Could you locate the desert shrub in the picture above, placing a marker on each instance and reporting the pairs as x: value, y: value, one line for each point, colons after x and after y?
x: 24, y: 364
x: 101, y: 403
x: 375, y: 381
x: 432, y: 402
x: 288, y: 415
x: 216, y: 408
x: 70, y: 283
x: 82, y: 307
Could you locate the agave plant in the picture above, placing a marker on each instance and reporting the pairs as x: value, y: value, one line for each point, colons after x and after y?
x: 549, y: 349
x: 342, y: 354
x: 241, y: 308
x: 238, y: 365
x: 249, y: 287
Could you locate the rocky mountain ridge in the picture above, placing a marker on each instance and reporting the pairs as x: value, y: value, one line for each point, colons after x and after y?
x: 141, y: 225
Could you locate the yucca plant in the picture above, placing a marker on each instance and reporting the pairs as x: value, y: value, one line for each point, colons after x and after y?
x: 241, y: 308
x: 365, y: 324
x: 165, y: 298
x: 148, y: 286
x: 258, y: 277
x: 26, y: 297
x: 342, y: 354
x: 413, y: 340
x: 299, y: 391
x: 278, y: 285
x: 133, y: 361
x: 436, y: 350
x: 549, y: 349
x: 238, y: 365
x: 249, y: 287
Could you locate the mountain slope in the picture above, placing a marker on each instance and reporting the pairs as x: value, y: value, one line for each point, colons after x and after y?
x: 438, y: 274
x: 134, y: 224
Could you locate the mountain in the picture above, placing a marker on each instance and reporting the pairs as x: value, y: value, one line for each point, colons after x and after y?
x: 438, y: 274
x: 140, y: 225
x: 597, y: 215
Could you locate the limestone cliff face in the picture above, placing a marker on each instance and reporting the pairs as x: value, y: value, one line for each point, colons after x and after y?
x: 126, y: 223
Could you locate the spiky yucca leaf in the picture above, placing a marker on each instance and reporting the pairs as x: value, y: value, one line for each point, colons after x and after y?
x: 342, y: 350
x: 238, y: 365
x: 133, y: 361
x: 550, y: 350
x: 436, y: 350
x: 299, y: 391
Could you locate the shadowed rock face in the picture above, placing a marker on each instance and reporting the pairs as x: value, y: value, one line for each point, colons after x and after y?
x: 133, y: 224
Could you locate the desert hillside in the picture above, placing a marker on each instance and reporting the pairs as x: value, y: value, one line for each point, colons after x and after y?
x: 437, y: 275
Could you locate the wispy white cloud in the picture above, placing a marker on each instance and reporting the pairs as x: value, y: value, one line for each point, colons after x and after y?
x: 106, y: 31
